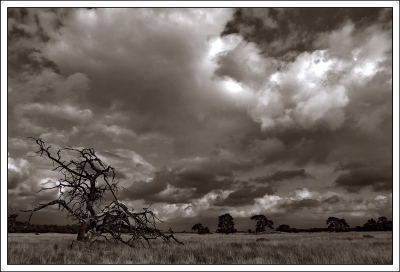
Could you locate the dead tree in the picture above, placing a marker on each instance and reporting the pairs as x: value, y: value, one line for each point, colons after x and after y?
x: 85, y: 183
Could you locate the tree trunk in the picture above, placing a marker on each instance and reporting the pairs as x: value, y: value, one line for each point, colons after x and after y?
x: 82, y: 232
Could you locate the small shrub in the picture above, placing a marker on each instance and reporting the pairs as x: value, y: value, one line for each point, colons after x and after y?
x: 368, y: 236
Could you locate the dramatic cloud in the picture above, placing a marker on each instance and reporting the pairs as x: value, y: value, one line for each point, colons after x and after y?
x: 312, y: 90
x: 285, y: 112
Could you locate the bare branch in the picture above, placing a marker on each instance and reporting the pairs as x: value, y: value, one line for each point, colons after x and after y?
x: 79, y: 193
x: 42, y: 206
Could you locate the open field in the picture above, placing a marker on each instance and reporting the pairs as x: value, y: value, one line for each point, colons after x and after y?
x: 283, y: 248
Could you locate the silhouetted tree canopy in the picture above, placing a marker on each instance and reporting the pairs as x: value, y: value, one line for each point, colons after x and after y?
x: 383, y: 224
x: 284, y: 228
x: 12, y: 223
x: 200, y: 229
x: 226, y: 224
x: 262, y: 222
x: 338, y: 225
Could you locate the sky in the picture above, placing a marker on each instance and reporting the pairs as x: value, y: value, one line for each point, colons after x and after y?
x: 285, y: 112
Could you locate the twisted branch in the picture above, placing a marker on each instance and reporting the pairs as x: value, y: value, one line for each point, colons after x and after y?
x: 80, y: 192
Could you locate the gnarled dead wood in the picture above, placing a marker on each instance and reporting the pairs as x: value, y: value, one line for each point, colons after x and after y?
x: 81, y: 190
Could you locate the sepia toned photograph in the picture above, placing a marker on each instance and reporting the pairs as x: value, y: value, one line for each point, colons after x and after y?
x: 199, y: 135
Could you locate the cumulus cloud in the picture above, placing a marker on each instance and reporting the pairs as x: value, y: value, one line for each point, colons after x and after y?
x: 244, y: 62
x: 311, y: 91
x: 302, y: 95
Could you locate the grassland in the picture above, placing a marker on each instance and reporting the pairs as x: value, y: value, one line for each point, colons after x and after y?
x: 284, y: 248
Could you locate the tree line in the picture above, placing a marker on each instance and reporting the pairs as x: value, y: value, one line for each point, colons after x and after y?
x: 226, y: 225
x: 15, y: 226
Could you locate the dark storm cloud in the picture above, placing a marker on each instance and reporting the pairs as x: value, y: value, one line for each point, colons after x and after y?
x: 15, y: 178
x: 160, y: 83
x: 159, y: 88
x: 259, y: 187
x: 300, y: 204
x: 286, y: 29
x: 245, y: 196
x: 376, y: 175
x: 188, y: 181
x: 319, y: 146
x: 333, y: 199
x: 194, y: 178
x: 143, y: 189
x: 289, y: 174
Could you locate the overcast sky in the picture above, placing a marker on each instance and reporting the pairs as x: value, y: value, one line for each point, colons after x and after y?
x: 281, y: 112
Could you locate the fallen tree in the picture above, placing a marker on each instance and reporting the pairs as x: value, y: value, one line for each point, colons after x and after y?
x: 86, y: 182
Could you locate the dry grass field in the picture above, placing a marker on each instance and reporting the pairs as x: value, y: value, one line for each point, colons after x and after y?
x: 283, y: 248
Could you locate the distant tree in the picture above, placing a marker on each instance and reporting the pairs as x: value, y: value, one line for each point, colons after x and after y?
x: 262, y: 222
x: 12, y: 223
x: 284, y: 228
x: 371, y: 225
x: 226, y: 224
x: 206, y: 230
x: 338, y: 225
x: 249, y: 231
x: 294, y: 230
x: 384, y: 224
x: 358, y: 228
x: 200, y: 229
